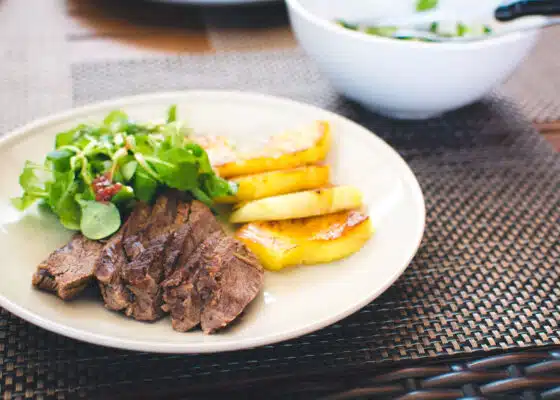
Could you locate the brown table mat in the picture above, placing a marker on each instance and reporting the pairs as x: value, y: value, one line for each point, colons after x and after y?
x: 485, y: 277
x: 535, y: 86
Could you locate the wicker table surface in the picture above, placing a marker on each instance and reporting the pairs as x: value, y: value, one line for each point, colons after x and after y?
x: 475, y: 316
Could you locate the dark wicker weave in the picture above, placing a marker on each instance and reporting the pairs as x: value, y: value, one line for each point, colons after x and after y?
x: 485, y: 278
x: 524, y: 375
x: 520, y: 375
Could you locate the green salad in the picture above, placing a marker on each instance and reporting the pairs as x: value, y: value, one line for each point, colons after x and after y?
x: 453, y: 29
x: 95, y: 173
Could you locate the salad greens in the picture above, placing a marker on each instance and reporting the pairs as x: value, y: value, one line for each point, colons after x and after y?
x: 424, y: 5
x: 443, y: 29
x: 97, y: 171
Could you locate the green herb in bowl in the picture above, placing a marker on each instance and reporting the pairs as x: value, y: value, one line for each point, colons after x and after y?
x: 96, y: 172
x: 443, y: 29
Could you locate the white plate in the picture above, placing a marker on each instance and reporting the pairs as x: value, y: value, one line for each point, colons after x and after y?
x: 294, y: 302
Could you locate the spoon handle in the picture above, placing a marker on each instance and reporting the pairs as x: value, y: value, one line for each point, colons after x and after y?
x: 526, y: 8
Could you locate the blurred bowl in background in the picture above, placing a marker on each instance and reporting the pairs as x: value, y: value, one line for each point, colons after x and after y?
x: 400, y: 78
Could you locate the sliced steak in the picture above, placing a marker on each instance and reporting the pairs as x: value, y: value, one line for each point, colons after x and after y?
x: 145, y: 271
x: 150, y: 246
x: 114, y: 259
x: 182, y: 300
x: 132, y: 264
x: 193, y: 244
x: 233, y: 279
x: 175, y: 245
x: 107, y: 272
x: 201, y: 224
x: 221, y: 278
x: 138, y: 221
x: 69, y: 270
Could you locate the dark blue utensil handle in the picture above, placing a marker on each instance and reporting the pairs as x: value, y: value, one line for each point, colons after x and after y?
x: 526, y: 8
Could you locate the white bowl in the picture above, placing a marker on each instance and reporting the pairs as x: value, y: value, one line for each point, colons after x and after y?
x: 399, y: 78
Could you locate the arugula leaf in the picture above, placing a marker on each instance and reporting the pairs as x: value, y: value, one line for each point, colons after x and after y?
x: 424, y: 5
x: 203, y: 160
x: 174, y: 134
x: 61, y: 199
x: 144, y: 186
x: 381, y: 30
x: 123, y: 196
x: 462, y: 29
x: 60, y: 159
x: 99, y: 220
x: 215, y: 186
x: 25, y: 201
x: 347, y: 25
x: 143, y: 144
x: 201, y: 196
x: 181, y: 176
x: 177, y: 155
x: 116, y: 121
x: 85, y: 192
x: 64, y: 138
x: 172, y: 114
x: 128, y: 170
x: 76, y: 135
x: 29, y: 179
x: 99, y: 166
x: 33, y: 185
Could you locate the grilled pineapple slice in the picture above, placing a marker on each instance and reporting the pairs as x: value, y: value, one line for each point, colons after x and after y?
x: 266, y: 184
x: 298, y: 205
x: 314, y: 240
x: 291, y: 149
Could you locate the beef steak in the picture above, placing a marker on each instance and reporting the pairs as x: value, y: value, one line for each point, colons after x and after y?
x: 182, y: 299
x: 144, y: 272
x: 220, y: 279
x: 70, y: 269
x: 175, y: 230
x: 201, y: 224
x: 232, y: 279
x: 146, y: 249
x: 177, y: 253
x: 113, y: 259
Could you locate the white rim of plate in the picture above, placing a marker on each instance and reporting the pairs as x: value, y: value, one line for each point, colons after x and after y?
x: 205, y: 347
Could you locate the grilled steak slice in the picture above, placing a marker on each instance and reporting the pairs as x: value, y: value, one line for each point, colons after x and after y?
x: 148, y: 248
x: 181, y: 297
x: 113, y: 259
x: 175, y: 245
x: 201, y: 224
x: 69, y: 270
x: 214, y: 286
x: 174, y: 232
x: 107, y: 272
x: 145, y: 271
x: 138, y: 222
x: 192, y: 246
x: 232, y: 280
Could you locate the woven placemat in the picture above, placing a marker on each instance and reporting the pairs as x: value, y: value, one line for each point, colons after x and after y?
x: 485, y: 277
x: 535, y: 85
